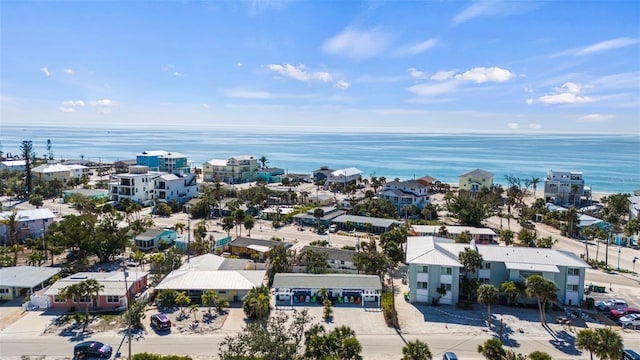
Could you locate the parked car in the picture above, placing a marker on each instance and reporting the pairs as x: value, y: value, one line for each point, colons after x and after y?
x: 629, y: 354
x: 160, y: 322
x: 92, y: 349
x: 449, y: 356
x: 609, y: 304
x: 333, y: 228
x: 632, y: 320
x: 620, y: 312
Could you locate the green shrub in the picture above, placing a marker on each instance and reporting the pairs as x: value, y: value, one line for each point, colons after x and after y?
x: 387, y: 309
x: 589, y: 303
x: 465, y: 304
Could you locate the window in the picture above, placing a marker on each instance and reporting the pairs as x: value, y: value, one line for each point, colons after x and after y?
x: 4, y: 291
x: 423, y: 269
x: 446, y: 286
x: 487, y: 266
x: 59, y: 299
x: 445, y: 270
x: 341, y: 262
x: 572, y: 287
x: 573, y: 271
x: 422, y: 285
x: 83, y: 299
x: 113, y: 299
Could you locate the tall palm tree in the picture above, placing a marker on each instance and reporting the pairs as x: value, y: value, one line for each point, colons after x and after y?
x: 180, y: 227
x: 492, y: 349
x: 543, y: 290
x: 93, y: 288
x: 534, y: 183
x: 488, y: 295
x: 610, y: 345
x: 416, y: 350
x: 587, y: 340
x: 11, y: 222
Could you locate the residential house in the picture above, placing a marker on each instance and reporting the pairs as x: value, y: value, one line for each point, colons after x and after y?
x: 137, y: 185
x: 405, y: 193
x: 16, y: 281
x: 250, y: 247
x: 360, y: 290
x: 270, y: 175
x: 321, y: 174
x: 178, y: 187
x: 31, y: 224
x: 566, y: 188
x: 164, y: 161
x: 48, y: 172
x: 339, y: 260
x: 433, y: 264
x: 634, y: 207
x: 343, y: 176
x: 428, y: 181
x: 364, y: 223
x: 475, y: 180
x: 122, y: 166
x: 227, y: 277
x: 479, y: 235
x: 117, y: 287
x: 151, y: 239
x: 236, y: 169
x: 13, y: 165
x: 307, y: 218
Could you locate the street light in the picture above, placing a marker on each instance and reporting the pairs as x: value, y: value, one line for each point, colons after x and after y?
x: 126, y: 295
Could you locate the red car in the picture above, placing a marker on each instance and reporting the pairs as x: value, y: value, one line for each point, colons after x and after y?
x: 618, y: 313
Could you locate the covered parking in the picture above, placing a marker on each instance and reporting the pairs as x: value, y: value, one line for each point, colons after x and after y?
x: 304, y: 289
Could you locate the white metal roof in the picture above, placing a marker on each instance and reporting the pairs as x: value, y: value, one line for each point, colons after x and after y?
x: 435, y: 229
x: 25, y: 276
x: 424, y: 250
x: 217, y: 162
x: 347, y: 172
x: 531, y: 267
x: 191, y: 279
x: 259, y: 248
x: 33, y: 214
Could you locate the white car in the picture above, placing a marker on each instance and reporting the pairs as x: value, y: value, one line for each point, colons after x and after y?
x: 632, y: 320
x: 609, y: 304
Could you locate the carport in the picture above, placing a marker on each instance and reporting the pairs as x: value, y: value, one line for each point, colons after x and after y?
x: 18, y: 281
x: 341, y: 288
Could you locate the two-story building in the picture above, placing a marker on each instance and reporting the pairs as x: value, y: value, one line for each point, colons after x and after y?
x: 178, y: 186
x: 475, y: 180
x: 343, y: 176
x: 566, y: 188
x: 338, y: 260
x: 321, y: 174
x: 137, y: 185
x: 164, y: 161
x: 151, y: 239
x: 62, y: 172
x: 405, y: 193
x: 307, y: 218
x: 270, y: 175
x: 433, y: 264
x: 479, y: 235
x: 31, y: 224
x: 236, y: 169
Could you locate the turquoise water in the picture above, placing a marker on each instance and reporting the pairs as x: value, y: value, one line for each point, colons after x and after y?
x: 610, y: 163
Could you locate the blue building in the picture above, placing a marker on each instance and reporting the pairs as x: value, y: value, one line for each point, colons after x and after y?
x: 163, y: 161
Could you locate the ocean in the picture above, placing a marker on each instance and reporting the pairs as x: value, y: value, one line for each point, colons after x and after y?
x: 610, y: 163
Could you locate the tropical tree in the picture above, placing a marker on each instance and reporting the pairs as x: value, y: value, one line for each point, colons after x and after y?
x: 546, y: 242
x: 316, y: 261
x: 11, y: 222
x: 263, y: 161
x: 471, y: 260
x: 327, y: 312
x: 28, y: 155
x: 139, y: 257
x: 416, y: 350
x: 512, y: 290
x: 280, y: 261
x: 318, y: 213
x: 194, y: 309
x: 182, y: 300
x: 227, y: 225
x: 610, y: 344
x: 543, y: 290
x: 507, y: 236
x: 180, y: 227
x: 92, y: 287
x: 587, y: 340
x: 488, y: 295
x: 249, y: 223
x: 339, y: 343
x: 492, y: 349
x: 534, y: 183
x: 256, y: 303
x: 135, y: 313
x: 210, y: 297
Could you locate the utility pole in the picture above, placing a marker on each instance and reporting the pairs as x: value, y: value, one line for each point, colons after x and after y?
x: 126, y: 292
x: 188, y: 207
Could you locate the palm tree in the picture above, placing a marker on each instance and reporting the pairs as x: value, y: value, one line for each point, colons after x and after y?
x: 471, y: 260
x: 416, y: 350
x: 11, y: 222
x: 539, y: 355
x: 507, y: 236
x: 543, y: 290
x: 256, y: 304
x: 249, y: 222
x: 586, y: 340
x: 610, y: 345
x: 180, y: 227
x: 488, y: 295
x: 93, y: 288
x: 71, y: 292
x: 263, y: 160
x: 492, y: 349
x: 194, y: 309
x: 140, y: 257
x: 318, y: 213
x: 534, y: 183
x: 182, y: 300
x: 208, y: 298
x: 227, y: 224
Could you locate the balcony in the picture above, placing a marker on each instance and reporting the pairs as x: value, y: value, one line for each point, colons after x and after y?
x: 422, y: 277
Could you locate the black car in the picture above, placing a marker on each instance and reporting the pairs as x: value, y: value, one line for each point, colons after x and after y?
x: 160, y: 322
x: 91, y: 349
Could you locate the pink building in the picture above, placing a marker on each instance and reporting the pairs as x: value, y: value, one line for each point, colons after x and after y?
x: 112, y: 296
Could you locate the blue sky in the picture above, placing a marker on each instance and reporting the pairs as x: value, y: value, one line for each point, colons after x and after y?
x: 423, y: 66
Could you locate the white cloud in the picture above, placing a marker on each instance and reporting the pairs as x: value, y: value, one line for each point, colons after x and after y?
x: 529, y: 101
x: 177, y: 74
x: 102, y: 102
x: 239, y: 64
x: 247, y: 94
x: 73, y: 103
x: 482, y: 74
x: 45, y: 71
x: 65, y: 109
x: 513, y: 126
x: 358, y: 44
x: 433, y: 89
x: 300, y: 72
x: 535, y: 126
x: 593, y: 118
x: 68, y: 71
x: 415, y: 73
x: 342, y: 85
x: 568, y: 93
x: 371, y: 79
x: 607, y: 45
x: 473, y: 11
x: 443, y: 75
x: 415, y: 49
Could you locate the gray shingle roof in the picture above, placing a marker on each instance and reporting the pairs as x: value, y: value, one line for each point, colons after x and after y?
x: 328, y: 281
x: 479, y: 173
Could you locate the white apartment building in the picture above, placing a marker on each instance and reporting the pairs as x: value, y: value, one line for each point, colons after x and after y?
x: 236, y: 169
x: 178, y: 187
x: 566, y: 188
x: 142, y: 186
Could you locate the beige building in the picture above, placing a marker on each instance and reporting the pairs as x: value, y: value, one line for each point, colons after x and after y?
x: 236, y: 169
